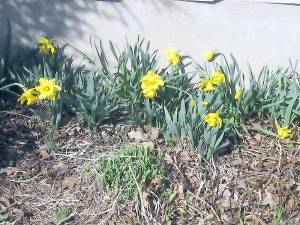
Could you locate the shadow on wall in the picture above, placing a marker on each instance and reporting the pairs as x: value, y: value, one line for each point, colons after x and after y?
x: 31, y: 18
x: 68, y: 19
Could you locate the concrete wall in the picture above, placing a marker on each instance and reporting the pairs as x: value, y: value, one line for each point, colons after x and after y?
x: 256, y: 33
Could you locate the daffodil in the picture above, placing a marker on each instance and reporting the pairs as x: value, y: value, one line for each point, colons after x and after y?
x: 47, y: 88
x: 284, y: 132
x: 149, y: 93
x: 210, y: 55
x: 206, y: 85
x: 213, y: 119
x: 192, y: 103
x: 204, y: 103
x: 151, y: 82
x: 217, y: 77
x: 238, y: 94
x: 173, y: 56
x: 45, y: 45
x: 29, y: 96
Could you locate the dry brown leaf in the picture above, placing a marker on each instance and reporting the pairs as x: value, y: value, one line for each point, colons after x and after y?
x: 129, y: 217
x: 156, y: 181
x: 257, y: 221
x: 44, y: 153
x: 154, y: 133
x: 59, y: 168
x: 180, y: 192
x: 9, y: 170
x: 136, y: 135
x: 128, y: 220
x: 237, y: 162
x: 184, y: 156
x: 193, y: 179
x: 168, y: 158
x: 269, y: 200
x: 4, y: 201
x: 131, y: 214
x: 256, y: 166
x: 18, y: 214
x: 290, y: 205
x: 67, y: 183
x: 251, y: 142
x: 258, y: 137
x: 145, y: 200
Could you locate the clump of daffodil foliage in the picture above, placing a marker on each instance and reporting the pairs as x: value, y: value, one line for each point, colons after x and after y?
x: 203, y: 102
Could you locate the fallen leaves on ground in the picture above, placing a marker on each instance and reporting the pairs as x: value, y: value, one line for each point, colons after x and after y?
x: 67, y: 183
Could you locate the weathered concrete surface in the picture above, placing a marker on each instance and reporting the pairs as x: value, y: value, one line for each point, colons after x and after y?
x: 256, y: 33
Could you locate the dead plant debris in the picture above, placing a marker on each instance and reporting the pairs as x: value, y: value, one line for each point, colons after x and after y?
x: 255, y: 184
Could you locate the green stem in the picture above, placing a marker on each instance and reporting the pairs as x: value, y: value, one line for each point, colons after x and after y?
x: 181, y: 75
x: 10, y: 85
x: 227, y: 65
x: 178, y: 89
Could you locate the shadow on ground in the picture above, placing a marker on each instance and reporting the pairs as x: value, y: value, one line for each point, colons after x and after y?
x: 18, y: 135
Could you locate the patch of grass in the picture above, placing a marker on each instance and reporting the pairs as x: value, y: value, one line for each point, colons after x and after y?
x: 86, y: 168
x: 50, y: 142
x: 3, y: 216
x: 278, y: 214
x: 130, y: 166
x: 62, y: 214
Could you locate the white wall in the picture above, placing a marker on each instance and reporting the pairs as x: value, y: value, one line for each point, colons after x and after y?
x: 256, y: 33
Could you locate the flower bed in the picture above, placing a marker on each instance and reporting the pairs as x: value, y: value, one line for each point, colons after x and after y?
x: 205, y: 114
x: 131, y: 144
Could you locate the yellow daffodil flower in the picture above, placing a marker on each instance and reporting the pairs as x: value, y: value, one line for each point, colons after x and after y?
x: 149, y: 93
x: 48, y: 88
x: 217, y: 77
x: 29, y: 95
x: 173, y: 56
x: 204, y: 103
x: 238, y: 94
x: 192, y: 103
x: 151, y: 82
x: 213, y: 119
x: 210, y: 55
x: 206, y: 85
x: 284, y: 132
x: 45, y: 45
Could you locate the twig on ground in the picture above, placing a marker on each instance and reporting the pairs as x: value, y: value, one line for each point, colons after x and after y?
x: 202, y: 200
x: 140, y: 194
x: 16, y: 114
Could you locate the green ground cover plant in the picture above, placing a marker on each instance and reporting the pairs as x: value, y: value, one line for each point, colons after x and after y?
x: 128, y: 168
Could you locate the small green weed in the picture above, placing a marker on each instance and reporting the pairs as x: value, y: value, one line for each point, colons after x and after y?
x: 50, y: 142
x: 128, y: 166
x: 278, y: 214
x: 3, y: 216
x: 62, y: 214
x: 86, y: 168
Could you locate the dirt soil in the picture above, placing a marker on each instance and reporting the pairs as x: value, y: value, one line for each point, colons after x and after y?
x: 52, y: 178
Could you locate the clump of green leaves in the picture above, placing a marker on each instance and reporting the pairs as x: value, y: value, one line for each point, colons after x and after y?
x: 95, y: 101
x: 130, y: 166
x: 62, y: 215
x: 51, y: 141
x: 132, y: 63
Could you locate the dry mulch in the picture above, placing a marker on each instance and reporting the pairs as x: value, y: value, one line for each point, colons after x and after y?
x: 57, y: 181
